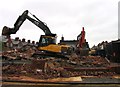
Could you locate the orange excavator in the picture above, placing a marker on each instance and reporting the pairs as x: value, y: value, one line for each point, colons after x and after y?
x: 81, y: 38
x: 82, y: 45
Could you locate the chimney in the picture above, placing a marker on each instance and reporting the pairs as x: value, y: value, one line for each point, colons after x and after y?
x: 28, y: 41
x: 17, y: 39
x: 23, y: 40
x: 33, y: 42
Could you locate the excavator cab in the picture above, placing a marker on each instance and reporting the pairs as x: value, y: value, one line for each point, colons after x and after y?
x: 48, y: 44
x: 46, y: 40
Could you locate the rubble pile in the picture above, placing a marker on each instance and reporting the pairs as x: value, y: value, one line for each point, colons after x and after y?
x: 50, y: 67
x: 50, y: 72
x: 25, y: 52
x: 89, y: 61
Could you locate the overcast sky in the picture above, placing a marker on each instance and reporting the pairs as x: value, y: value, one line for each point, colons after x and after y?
x: 64, y: 17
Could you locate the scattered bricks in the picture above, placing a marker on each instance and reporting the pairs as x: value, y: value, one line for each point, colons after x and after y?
x: 9, y: 55
x: 64, y: 73
x: 38, y: 64
x: 56, y: 67
x: 35, y: 70
x: 11, y: 69
x: 49, y: 65
x: 92, y: 71
x: 30, y: 52
x: 87, y: 69
x: 5, y: 67
x: 115, y: 67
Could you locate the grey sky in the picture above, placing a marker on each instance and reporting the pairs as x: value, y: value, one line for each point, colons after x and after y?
x: 64, y: 17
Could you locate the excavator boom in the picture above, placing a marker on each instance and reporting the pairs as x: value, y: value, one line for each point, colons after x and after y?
x: 8, y: 31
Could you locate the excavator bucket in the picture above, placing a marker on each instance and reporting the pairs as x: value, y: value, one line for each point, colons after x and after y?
x: 5, y: 31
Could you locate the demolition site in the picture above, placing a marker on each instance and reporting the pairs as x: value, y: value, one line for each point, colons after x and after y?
x: 69, y: 61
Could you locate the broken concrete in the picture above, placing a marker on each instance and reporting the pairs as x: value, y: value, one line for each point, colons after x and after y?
x: 52, y: 67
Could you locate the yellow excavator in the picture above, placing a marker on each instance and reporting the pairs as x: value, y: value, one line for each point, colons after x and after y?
x: 47, y: 43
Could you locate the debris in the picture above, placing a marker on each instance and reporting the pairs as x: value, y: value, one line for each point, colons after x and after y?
x: 38, y: 64
x: 20, y: 62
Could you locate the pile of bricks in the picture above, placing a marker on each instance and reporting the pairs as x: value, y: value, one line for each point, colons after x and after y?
x: 51, y: 67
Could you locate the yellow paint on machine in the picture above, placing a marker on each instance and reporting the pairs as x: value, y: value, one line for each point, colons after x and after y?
x: 53, y: 48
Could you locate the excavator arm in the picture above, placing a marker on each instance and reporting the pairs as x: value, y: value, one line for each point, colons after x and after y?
x: 8, y: 31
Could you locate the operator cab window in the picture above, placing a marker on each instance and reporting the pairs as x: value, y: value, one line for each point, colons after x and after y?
x: 44, y: 41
